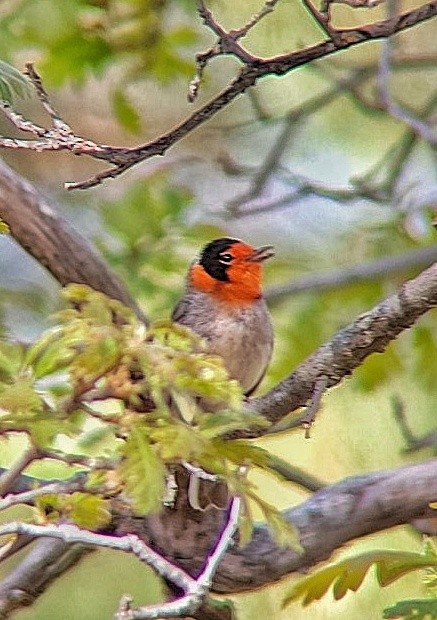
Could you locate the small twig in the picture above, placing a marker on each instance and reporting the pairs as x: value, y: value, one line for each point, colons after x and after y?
x: 355, y: 4
x: 310, y: 413
x: 58, y: 123
x: 255, y: 68
x: 255, y: 19
x: 323, y: 18
x: 222, y: 545
x: 413, y: 443
x: 268, y: 167
x: 9, y: 476
x: 55, y: 488
x: 383, y: 84
x: 295, y: 475
x: 90, y: 462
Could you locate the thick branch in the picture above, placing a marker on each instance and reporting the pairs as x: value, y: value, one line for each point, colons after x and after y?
x: 370, y: 333
x: 330, y: 518
x: 50, y: 239
x: 47, y: 561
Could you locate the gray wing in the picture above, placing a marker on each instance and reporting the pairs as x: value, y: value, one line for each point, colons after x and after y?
x: 179, y: 311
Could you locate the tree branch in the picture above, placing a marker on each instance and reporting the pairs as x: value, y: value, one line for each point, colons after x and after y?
x: 344, y: 511
x: 369, y: 333
x: 350, y: 509
x: 47, y: 561
x: 61, y: 137
x: 51, y: 240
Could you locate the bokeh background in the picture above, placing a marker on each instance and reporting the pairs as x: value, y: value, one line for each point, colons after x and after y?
x: 311, y: 162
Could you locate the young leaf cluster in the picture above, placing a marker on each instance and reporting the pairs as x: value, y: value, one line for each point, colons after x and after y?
x: 155, y: 393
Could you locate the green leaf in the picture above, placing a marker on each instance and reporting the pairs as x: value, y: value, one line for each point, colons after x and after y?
x: 84, y: 509
x: 53, y: 351
x: 413, y: 609
x: 284, y: 532
x: 125, y: 112
x: 215, y: 424
x: 4, y: 228
x: 176, y: 441
x: 12, y: 82
x: 11, y: 360
x: 142, y: 472
x: 350, y: 573
x: 89, y: 511
x: 19, y: 397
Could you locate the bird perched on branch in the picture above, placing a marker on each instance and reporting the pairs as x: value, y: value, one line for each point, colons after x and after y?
x: 223, y: 304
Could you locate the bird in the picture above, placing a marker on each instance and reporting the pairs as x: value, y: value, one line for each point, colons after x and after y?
x: 224, y: 305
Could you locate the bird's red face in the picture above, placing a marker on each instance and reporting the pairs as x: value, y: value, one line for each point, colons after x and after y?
x: 230, y: 270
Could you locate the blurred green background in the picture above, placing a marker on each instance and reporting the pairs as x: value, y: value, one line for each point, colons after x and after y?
x: 334, y: 180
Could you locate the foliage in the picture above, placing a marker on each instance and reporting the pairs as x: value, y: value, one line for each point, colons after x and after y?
x: 415, y: 609
x: 349, y: 574
x: 156, y: 391
x: 85, y: 510
x: 80, y: 37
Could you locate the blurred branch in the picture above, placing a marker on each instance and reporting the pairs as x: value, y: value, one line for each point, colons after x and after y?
x: 383, y: 82
x: 51, y: 240
x: 336, y: 278
x: 369, y: 186
x: 64, y: 252
x: 46, y: 561
x: 61, y: 137
x: 354, y: 507
x: 413, y: 443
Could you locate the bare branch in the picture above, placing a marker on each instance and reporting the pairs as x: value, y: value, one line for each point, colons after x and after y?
x: 344, y: 511
x: 413, y: 442
x: 416, y: 124
x: 47, y: 560
x: 28, y: 497
x: 255, y: 68
x: 347, y: 510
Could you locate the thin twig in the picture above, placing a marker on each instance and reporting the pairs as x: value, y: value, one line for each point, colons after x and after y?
x: 309, y: 416
x: 55, y: 488
x: 8, y: 477
x: 413, y: 443
x: 195, y: 589
x: 383, y: 84
x: 58, y: 123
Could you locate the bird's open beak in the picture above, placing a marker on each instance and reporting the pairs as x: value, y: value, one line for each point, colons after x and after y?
x: 261, y: 254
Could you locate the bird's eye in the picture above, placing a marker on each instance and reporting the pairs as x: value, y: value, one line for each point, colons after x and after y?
x: 225, y: 258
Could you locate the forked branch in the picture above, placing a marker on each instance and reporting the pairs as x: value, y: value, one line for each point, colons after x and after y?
x: 60, y: 136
